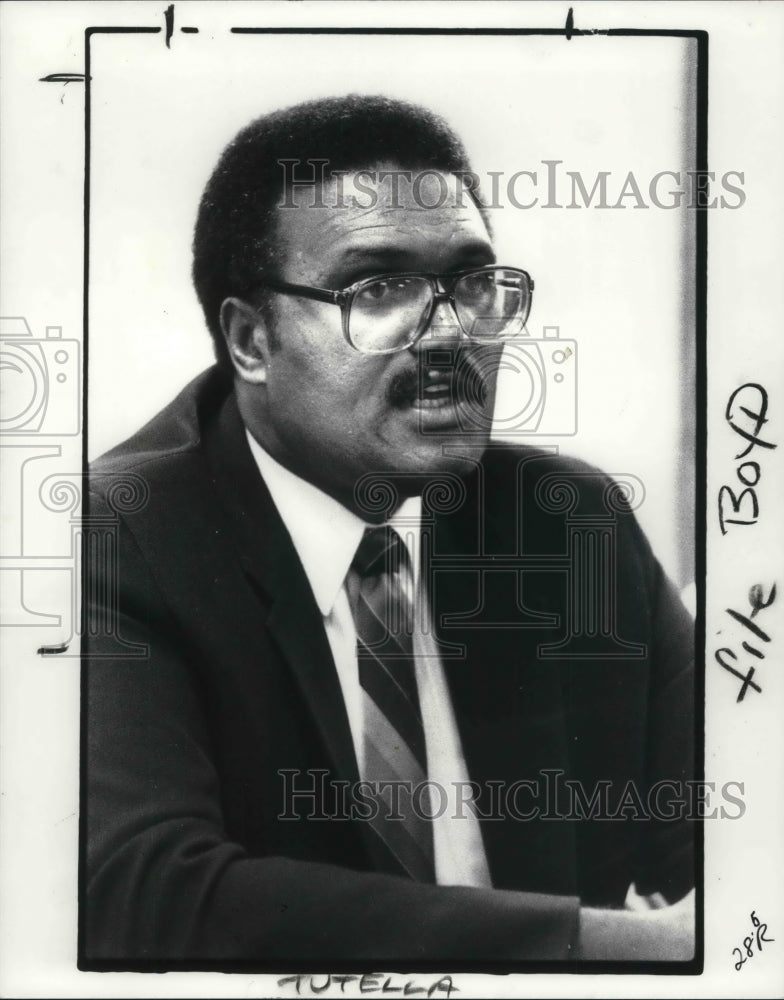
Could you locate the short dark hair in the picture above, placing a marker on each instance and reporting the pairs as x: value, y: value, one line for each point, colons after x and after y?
x: 234, y: 238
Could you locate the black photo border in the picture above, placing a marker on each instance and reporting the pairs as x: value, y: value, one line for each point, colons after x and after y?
x: 273, y: 966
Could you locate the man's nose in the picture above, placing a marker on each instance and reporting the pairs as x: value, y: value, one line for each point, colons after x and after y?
x: 443, y: 328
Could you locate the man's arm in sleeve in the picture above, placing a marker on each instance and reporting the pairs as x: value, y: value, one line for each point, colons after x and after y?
x: 668, y: 859
x: 667, y: 863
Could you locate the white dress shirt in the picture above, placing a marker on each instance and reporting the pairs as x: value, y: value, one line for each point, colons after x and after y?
x: 326, y: 536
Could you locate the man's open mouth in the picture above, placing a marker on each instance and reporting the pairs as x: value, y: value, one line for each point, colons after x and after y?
x: 439, y: 388
x: 436, y: 389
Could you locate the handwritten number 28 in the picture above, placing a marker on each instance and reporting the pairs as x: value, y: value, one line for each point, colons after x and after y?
x: 748, y: 941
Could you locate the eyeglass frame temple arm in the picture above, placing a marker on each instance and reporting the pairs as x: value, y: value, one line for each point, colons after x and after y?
x: 338, y: 298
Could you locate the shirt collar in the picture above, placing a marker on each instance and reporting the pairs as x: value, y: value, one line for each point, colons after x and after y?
x: 326, y: 534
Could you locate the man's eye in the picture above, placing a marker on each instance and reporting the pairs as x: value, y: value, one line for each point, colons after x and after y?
x: 388, y: 289
x: 377, y: 290
x: 478, y: 284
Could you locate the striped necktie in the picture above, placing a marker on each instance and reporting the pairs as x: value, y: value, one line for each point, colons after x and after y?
x: 393, y: 739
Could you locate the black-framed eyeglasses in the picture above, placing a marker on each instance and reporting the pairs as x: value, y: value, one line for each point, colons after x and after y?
x: 390, y: 312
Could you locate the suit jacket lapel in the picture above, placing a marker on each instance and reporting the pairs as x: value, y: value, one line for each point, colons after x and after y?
x: 270, y: 561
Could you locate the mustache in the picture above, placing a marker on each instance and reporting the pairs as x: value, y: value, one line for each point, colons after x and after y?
x: 465, y: 377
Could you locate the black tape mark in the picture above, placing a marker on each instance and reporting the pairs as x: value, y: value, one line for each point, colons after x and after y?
x: 569, y: 26
x: 168, y: 16
x: 62, y: 78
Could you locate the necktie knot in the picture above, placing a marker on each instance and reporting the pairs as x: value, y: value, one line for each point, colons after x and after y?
x: 381, y: 550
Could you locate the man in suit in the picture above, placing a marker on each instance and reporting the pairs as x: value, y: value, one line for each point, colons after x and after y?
x: 368, y: 721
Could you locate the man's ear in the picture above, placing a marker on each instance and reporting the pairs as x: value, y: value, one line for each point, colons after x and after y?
x: 247, y: 340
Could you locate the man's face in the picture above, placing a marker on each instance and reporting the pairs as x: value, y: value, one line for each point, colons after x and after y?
x: 331, y: 414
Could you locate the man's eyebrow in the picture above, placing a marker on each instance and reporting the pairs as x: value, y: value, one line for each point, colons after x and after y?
x: 381, y: 255
x: 399, y: 257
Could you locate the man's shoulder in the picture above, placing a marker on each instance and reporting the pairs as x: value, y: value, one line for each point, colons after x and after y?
x: 173, y: 434
x: 542, y: 467
x: 163, y: 488
x: 545, y: 490
x: 503, y: 456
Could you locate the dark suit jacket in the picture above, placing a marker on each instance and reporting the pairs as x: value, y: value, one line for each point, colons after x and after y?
x: 185, y: 857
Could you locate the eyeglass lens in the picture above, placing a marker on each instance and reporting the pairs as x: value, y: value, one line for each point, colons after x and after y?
x: 389, y: 313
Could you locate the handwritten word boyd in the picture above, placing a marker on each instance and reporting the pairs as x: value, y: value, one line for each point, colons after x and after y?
x: 746, y: 413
